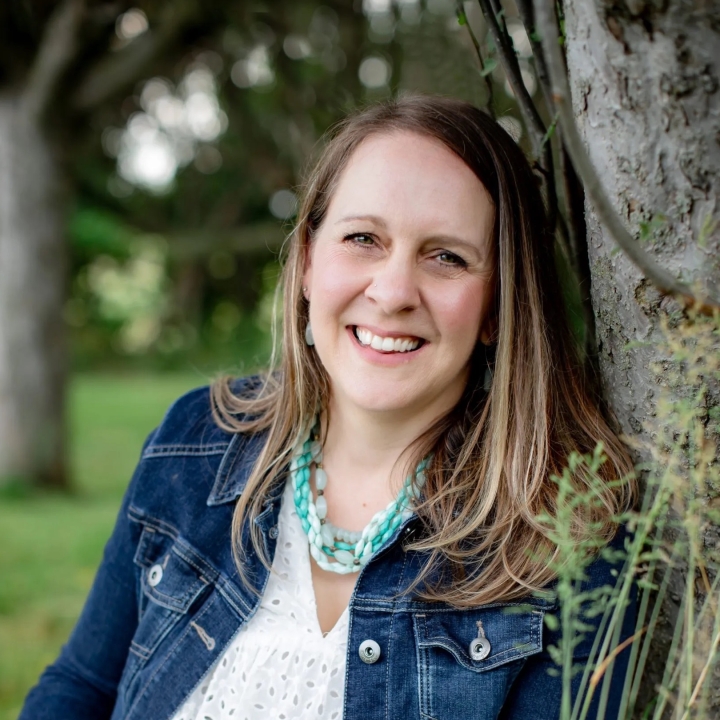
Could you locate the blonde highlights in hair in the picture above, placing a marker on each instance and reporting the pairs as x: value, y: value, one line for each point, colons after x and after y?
x: 494, y: 454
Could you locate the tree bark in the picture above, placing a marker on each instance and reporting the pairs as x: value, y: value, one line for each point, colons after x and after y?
x: 32, y: 292
x: 644, y: 79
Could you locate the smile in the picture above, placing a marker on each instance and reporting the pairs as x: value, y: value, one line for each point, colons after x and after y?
x: 386, y: 344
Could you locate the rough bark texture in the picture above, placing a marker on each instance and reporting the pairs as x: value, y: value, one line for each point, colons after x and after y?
x: 32, y: 280
x: 644, y: 77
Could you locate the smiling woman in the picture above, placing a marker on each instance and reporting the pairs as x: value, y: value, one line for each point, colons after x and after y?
x: 403, y: 258
x: 359, y: 532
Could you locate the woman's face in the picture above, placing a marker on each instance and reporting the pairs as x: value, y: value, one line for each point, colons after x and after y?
x: 400, y: 276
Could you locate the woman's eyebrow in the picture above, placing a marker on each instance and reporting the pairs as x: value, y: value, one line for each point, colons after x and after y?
x: 454, y: 240
x: 372, y: 218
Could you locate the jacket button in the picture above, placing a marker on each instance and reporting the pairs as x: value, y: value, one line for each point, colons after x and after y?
x: 369, y: 651
x: 155, y: 575
x: 273, y: 532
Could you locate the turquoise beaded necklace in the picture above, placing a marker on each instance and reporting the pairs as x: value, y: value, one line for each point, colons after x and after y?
x: 333, y: 548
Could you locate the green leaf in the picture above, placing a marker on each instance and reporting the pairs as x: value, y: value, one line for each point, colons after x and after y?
x: 708, y: 228
x: 550, y: 131
x: 488, y: 66
x: 552, y: 622
x: 648, y: 228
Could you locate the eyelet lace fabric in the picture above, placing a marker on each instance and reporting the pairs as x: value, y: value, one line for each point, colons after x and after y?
x: 279, y: 666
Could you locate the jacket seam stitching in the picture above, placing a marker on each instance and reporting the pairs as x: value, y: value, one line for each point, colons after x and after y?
x: 168, y: 654
x: 388, y: 605
x: 218, y: 580
x: 170, y: 450
x: 233, y: 598
x: 136, y: 515
x: 222, y: 491
x: 163, y: 629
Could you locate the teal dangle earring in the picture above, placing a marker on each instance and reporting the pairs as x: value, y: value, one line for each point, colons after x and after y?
x: 309, y: 339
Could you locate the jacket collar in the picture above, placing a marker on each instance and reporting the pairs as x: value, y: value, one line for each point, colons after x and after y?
x: 235, y: 467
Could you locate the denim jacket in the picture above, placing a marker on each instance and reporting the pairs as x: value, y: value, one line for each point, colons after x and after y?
x: 167, y: 600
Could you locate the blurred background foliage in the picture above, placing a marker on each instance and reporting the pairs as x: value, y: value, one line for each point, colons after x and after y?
x: 184, y: 189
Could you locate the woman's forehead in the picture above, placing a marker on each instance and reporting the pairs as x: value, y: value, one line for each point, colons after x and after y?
x: 402, y: 173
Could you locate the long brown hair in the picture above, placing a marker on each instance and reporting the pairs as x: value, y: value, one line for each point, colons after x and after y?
x: 494, y: 454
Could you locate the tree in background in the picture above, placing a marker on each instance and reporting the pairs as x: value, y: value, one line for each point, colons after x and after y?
x: 58, y: 66
x: 644, y: 79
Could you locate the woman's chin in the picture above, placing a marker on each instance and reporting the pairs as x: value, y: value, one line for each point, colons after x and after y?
x: 385, y: 398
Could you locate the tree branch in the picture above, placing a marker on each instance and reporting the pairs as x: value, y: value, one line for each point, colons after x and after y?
x: 121, y: 69
x: 573, y: 230
x: 572, y: 224
x: 509, y: 61
x: 463, y: 19
x: 57, y: 49
x: 528, y: 20
x: 533, y: 122
x: 666, y: 283
x: 577, y: 230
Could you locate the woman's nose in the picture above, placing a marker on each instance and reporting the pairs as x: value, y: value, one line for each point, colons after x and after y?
x: 394, y: 286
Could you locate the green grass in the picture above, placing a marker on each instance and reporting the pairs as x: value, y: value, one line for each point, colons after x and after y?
x: 50, y: 545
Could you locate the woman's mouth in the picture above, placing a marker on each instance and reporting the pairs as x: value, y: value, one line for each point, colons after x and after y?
x: 402, y: 344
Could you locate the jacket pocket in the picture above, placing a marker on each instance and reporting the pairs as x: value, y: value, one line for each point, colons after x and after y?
x: 172, y: 579
x: 459, y: 677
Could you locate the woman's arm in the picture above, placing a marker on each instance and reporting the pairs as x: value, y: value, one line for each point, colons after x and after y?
x: 537, y: 691
x: 82, y: 682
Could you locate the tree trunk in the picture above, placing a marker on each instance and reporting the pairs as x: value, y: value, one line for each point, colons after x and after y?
x: 32, y: 293
x: 644, y: 78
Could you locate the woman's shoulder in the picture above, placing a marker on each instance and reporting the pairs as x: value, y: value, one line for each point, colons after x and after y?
x: 189, y: 461
x: 189, y: 425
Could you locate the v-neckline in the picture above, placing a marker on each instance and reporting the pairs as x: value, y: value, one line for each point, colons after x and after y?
x: 305, y: 576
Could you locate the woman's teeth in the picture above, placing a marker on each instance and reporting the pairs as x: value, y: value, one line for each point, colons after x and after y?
x: 386, y: 344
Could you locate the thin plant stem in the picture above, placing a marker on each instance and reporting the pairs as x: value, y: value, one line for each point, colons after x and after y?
x: 705, y: 669
x: 690, y: 631
x: 637, y: 666
x: 533, y: 122
x: 461, y: 14
x: 654, y: 512
x: 601, y: 669
x: 670, y: 674
x: 612, y: 635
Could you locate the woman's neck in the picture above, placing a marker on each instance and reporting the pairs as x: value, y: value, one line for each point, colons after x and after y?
x: 362, y: 449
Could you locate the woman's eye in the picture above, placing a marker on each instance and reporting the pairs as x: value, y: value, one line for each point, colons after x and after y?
x: 361, y: 239
x: 448, y: 258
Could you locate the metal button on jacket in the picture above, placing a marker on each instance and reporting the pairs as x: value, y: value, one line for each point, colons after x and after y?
x: 369, y: 651
x: 273, y: 532
x: 480, y: 647
x: 155, y: 575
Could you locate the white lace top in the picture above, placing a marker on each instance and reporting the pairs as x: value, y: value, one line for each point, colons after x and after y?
x: 279, y: 665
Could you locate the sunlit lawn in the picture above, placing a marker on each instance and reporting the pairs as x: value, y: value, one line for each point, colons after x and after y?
x: 50, y: 546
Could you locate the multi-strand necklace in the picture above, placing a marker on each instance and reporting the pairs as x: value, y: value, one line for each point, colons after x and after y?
x: 335, y: 549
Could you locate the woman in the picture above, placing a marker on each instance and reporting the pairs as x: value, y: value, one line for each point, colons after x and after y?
x: 391, y: 468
